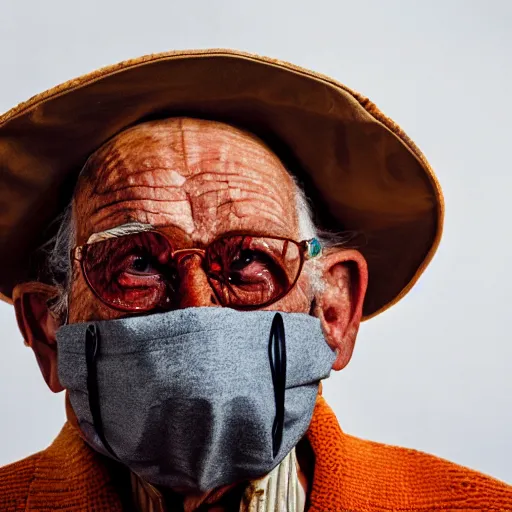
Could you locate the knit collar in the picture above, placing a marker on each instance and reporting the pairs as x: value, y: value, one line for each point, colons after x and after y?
x: 349, y: 474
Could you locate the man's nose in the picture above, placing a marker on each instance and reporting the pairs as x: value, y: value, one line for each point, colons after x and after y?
x: 194, y: 289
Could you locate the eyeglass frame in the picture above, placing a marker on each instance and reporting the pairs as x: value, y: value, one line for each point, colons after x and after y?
x: 308, y: 249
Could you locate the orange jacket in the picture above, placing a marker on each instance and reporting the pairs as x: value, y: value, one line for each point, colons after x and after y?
x: 350, y: 475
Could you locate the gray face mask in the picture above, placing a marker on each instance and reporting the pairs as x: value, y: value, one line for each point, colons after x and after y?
x: 195, y: 398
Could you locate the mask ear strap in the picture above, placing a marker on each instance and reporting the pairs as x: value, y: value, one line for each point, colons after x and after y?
x: 92, y: 339
x: 277, y: 357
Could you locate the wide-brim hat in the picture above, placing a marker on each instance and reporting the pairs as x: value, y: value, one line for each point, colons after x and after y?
x: 361, y: 171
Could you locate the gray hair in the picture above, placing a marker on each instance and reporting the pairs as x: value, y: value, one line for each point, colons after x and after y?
x: 57, y: 266
x: 59, y: 270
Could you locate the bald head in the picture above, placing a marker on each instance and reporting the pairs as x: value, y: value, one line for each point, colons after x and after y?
x: 201, y: 177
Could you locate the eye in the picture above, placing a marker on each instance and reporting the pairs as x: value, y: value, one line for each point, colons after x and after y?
x: 250, y: 267
x: 141, y: 265
x: 245, y: 258
x: 138, y: 270
x: 137, y: 266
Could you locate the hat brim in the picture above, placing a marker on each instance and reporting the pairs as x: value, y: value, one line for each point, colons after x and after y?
x: 363, y: 173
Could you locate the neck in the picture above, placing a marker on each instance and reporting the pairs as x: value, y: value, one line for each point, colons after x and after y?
x: 288, y: 482
x: 221, y: 499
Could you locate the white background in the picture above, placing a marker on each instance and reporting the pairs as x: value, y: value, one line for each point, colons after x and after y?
x: 432, y: 373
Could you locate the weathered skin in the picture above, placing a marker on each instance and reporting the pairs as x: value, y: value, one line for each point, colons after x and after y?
x: 199, y: 179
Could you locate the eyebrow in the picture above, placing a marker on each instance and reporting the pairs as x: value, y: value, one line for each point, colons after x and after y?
x: 121, y: 230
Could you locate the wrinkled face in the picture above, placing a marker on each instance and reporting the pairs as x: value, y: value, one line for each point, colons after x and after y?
x: 196, y: 180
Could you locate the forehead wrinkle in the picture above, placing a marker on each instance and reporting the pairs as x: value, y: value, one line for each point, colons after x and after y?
x: 223, y: 138
x: 239, y: 186
x: 245, y: 207
x: 256, y: 211
x: 246, y: 175
x: 139, y: 168
x: 134, y: 151
x: 119, y: 157
x: 243, y: 166
x: 156, y: 185
x: 239, y: 170
x: 131, y: 198
x: 241, y: 176
x: 138, y: 210
x: 255, y: 159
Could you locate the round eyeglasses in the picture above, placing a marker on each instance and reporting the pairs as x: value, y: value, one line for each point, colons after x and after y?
x: 139, y: 271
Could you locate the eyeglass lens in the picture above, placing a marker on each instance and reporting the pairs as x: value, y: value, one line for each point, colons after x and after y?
x: 138, y: 272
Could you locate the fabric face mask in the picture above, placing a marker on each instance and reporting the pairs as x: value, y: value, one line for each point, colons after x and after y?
x: 195, y: 398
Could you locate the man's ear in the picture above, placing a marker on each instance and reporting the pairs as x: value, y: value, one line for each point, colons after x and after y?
x: 39, y: 326
x: 340, y: 304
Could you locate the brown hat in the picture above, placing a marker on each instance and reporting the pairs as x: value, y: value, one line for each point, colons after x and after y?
x: 361, y: 170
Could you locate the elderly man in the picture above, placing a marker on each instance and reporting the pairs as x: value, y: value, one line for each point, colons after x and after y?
x: 186, y: 299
